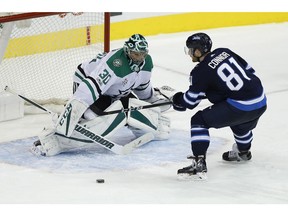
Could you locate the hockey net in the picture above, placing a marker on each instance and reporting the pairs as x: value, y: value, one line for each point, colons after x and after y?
x: 39, y: 52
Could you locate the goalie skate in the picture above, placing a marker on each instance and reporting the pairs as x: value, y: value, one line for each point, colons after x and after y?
x: 196, y: 171
x: 37, y: 149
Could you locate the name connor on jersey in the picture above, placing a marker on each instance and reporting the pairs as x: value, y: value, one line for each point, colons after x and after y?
x: 218, y: 59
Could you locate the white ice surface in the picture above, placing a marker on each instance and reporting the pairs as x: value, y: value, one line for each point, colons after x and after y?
x: 28, y: 180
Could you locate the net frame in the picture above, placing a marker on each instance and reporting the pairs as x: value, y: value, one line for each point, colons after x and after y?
x: 10, y: 18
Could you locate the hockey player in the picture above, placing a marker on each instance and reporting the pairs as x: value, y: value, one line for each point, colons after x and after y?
x: 112, y: 81
x: 237, y: 95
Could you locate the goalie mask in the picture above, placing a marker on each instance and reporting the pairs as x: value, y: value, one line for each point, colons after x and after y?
x: 136, y: 48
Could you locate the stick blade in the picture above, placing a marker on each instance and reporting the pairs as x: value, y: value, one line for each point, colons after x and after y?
x: 128, y: 148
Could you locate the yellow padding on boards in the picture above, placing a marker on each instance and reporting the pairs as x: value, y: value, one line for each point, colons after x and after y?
x: 146, y: 26
x: 192, y: 21
x: 49, y: 42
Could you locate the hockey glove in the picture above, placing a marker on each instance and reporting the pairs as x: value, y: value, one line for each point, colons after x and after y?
x: 159, y: 97
x: 176, y: 100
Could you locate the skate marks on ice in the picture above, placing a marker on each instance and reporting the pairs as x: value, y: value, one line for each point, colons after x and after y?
x: 95, y: 158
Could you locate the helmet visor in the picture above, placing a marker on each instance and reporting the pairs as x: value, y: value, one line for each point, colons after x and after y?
x: 188, y: 51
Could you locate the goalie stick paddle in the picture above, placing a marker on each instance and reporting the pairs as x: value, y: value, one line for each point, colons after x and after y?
x: 98, y: 139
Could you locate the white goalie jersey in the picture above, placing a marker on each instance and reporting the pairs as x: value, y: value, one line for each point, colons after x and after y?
x: 111, y: 74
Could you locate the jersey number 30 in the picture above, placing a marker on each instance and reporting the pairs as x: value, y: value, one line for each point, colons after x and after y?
x: 230, y: 75
x: 105, y: 76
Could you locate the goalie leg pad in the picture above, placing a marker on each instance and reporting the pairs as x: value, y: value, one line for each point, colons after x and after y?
x: 148, y: 120
x: 107, y: 125
x: 145, y: 119
x: 48, y: 144
x: 51, y: 143
x: 71, y: 115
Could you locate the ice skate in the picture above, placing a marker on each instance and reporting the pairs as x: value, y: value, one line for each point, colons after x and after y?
x: 236, y: 155
x: 196, y: 171
x: 37, y: 149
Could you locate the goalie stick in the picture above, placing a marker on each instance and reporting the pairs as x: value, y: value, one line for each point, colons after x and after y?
x: 168, y: 102
x: 98, y: 139
x: 134, y: 108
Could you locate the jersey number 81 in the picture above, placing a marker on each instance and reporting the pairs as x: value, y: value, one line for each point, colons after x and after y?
x: 232, y: 76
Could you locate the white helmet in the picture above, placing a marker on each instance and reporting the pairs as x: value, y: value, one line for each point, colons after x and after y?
x: 136, y: 48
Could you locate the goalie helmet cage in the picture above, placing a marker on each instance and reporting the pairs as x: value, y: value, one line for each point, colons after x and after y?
x: 40, y: 51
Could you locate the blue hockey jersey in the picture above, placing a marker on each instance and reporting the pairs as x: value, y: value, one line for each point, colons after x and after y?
x: 225, y: 76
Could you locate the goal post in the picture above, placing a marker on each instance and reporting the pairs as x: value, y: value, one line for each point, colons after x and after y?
x: 40, y: 51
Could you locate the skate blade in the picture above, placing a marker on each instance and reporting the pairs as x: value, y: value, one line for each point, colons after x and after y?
x: 197, y: 177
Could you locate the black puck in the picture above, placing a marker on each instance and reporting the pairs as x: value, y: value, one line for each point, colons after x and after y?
x: 100, y: 180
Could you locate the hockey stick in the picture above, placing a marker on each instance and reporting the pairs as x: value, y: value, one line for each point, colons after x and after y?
x: 169, y: 102
x: 98, y: 139
x: 134, y: 108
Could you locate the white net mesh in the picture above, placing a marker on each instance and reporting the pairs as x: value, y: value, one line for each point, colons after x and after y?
x: 43, y: 53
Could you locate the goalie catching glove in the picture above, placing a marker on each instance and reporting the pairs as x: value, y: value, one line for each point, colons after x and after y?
x: 161, y: 95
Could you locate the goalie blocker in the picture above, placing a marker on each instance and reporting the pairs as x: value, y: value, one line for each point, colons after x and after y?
x: 63, y: 137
